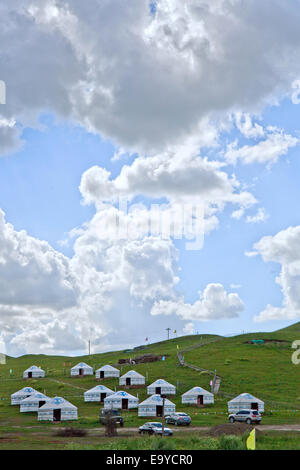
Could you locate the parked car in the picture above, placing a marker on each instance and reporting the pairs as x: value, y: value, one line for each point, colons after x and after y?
x: 246, y: 416
x: 154, y: 428
x: 113, y: 414
x: 179, y: 419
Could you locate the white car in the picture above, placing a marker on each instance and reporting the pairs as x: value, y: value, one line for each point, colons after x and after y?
x: 246, y: 416
x: 154, y: 428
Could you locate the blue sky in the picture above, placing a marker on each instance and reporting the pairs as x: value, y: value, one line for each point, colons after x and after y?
x: 165, y: 107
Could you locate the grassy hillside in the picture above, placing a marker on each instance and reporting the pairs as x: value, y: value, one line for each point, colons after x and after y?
x: 263, y: 370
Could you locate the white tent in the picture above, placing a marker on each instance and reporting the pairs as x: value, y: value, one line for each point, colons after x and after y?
x: 161, y: 387
x: 153, y: 406
x: 33, y: 372
x: 98, y: 393
x: 132, y: 379
x: 17, y: 397
x: 34, y: 402
x: 57, y: 409
x: 107, y: 372
x: 81, y: 369
x: 121, y: 400
x: 197, y: 396
x: 245, y: 401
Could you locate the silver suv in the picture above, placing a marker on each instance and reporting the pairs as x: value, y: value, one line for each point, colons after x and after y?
x: 246, y: 416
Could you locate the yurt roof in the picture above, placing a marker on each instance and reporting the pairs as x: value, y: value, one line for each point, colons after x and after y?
x: 57, y: 403
x: 33, y: 368
x: 99, y: 388
x: 156, y: 400
x: 245, y: 397
x: 24, y: 390
x: 121, y: 395
x: 81, y: 365
x: 35, y: 397
x: 160, y: 382
x: 197, y: 390
x: 107, y: 367
x: 132, y: 373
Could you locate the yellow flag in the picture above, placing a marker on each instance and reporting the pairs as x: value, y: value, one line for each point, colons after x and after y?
x: 177, y: 346
x: 175, y: 332
x: 251, y: 440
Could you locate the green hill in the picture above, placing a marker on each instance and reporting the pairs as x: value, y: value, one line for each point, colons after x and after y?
x: 264, y: 370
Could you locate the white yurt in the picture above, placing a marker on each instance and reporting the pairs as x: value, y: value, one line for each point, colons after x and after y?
x: 81, y: 370
x: 198, y: 396
x: 17, y: 397
x: 132, y: 379
x: 33, y: 372
x: 121, y: 401
x: 245, y: 401
x: 98, y: 393
x: 34, y: 402
x: 153, y: 406
x: 161, y: 387
x: 57, y: 409
x: 106, y: 372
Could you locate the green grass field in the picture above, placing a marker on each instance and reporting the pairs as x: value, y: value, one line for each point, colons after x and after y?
x: 266, y: 371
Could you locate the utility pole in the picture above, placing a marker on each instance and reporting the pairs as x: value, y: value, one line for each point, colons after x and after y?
x: 163, y: 416
x: 89, y: 347
x: 168, y: 330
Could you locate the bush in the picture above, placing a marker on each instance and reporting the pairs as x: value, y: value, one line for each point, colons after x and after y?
x: 231, y: 443
x: 71, y: 432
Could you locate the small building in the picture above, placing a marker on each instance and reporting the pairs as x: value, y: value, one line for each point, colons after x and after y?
x: 198, y: 396
x: 17, y: 397
x: 81, y: 369
x: 132, y: 379
x: 153, y: 406
x: 98, y: 393
x: 33, y: 372
x: 121, y: 401
x: 161, y: 387
x: 57, y: 409
x: 34, y: 402
x: 245, y: 401
x: 107, y: 372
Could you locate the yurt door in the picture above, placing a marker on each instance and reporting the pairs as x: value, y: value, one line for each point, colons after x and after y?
x: 41, y: 403
x: 124, y: 403
x: 56, y: 415
x: 159, y: 410
x: 81, y: 371
x: 254, y: 406
x: 102, y: 396
x: 101, y: 374
x: 200, y: 400
x: 158, y: 390
x: 30, y: 375
x: 128, y: 381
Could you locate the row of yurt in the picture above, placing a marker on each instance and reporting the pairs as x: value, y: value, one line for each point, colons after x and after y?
x: 198, y: 396
x: 161, y: 387
x: 81, y: 369
x: 153, y: 406
x: 34, y: 402
x: 246, y: 401
x: 132, y: 379
x: 33, y: 372
x: 106, y: 372
x: 17, y: 397
x: 98, y: 393
x: 57, y: 409
x: 121, y: 401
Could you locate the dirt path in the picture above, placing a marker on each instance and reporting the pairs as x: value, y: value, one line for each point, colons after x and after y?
x: 68, y: 384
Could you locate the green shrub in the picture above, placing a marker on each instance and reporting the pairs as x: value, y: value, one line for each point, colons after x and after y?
x: 231, y: 443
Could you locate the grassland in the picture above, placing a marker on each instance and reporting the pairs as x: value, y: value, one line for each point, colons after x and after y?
x: 265, y: 370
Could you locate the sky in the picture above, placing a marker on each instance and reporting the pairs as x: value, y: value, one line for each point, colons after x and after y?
x: 120, y: 113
